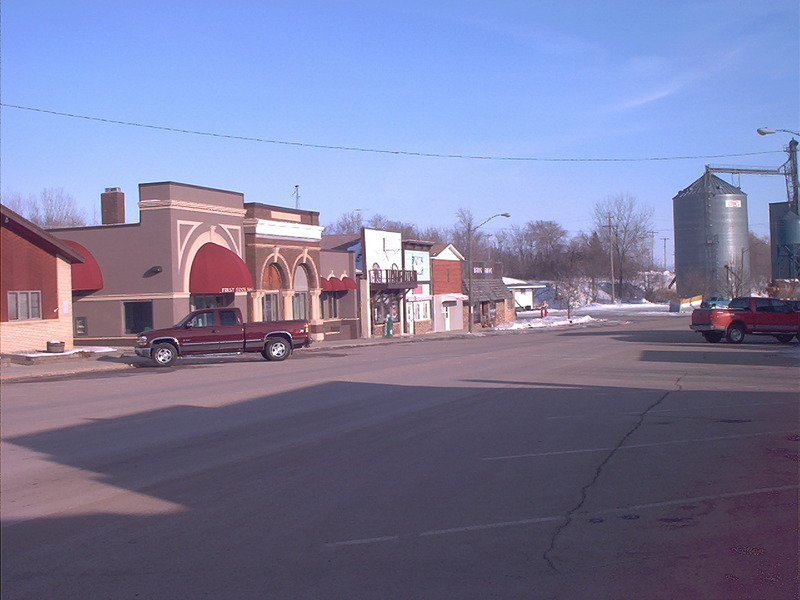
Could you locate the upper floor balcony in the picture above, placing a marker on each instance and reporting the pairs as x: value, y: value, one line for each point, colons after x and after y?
x: 392, y: 279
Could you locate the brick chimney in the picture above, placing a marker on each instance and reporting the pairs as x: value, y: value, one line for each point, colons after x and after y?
x: 112, y: 206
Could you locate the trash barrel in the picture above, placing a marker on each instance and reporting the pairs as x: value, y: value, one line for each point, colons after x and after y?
x: 55, y: 346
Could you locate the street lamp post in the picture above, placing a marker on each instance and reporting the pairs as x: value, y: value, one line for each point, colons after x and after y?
x: 794, y: 201
x: 768, y: 130
x: 793, y: 187
x: 470, y: 231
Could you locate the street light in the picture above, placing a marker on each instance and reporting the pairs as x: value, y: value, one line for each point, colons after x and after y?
x: 792, y: 175
x: 470, y: 231
x: 769, y: 130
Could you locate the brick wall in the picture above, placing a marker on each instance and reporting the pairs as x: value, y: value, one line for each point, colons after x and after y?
x: 445, y: 277
x: 421, y: 327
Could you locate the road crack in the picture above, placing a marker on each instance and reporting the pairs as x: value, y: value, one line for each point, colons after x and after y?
x: 568, y: 517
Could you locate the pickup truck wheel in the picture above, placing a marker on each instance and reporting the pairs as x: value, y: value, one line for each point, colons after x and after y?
x: 784, y: 338
x: 712, y: 336
x: 276, y: 349
x: 735, y: 333
x: 164, y: 355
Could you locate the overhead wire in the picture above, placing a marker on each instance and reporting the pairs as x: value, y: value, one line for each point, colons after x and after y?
x: 373, y: 150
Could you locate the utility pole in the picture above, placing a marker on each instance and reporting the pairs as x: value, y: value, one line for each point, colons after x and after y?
x: 794, y: 201
x: 665, y: 252
x: 296, y: 196
x: 470, y: 234
x: 611, y: 253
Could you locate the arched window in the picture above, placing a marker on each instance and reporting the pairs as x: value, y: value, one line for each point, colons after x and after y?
x: 301, y: 296
x: 272, y: 278
x: 271, y: 301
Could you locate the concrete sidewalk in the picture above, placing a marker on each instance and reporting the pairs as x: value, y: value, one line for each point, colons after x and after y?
x: 23, y: 367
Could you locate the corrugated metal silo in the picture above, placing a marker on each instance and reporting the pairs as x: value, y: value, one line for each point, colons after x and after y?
x: 711, y: 239
x: 784, y: 230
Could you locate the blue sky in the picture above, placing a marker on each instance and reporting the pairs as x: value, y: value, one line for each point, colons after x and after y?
x: 545, y: 80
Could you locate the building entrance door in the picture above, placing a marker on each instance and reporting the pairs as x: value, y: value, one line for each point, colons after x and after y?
x: 448, y: 315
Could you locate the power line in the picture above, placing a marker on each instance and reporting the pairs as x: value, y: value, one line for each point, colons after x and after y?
x: 374, y: 150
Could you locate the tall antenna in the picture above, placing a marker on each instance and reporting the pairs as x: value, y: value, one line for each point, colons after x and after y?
x: 296, y: 196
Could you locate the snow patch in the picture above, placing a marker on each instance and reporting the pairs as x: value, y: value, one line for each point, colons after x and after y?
x: 79, y: 350
x: 556, y: 321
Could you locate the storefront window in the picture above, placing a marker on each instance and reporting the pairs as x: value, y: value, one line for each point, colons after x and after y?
x: 271, y: 307
x: 330, y: 304
x: 301, y: 296
x: 138, y: 316
x: 383, y: 307
x: 300, y: 306
x: 422, y: 311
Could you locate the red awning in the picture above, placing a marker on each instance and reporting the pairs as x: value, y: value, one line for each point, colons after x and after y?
x: 87, y: 275
x: 325, y: 285
x: 349, y: 283
x: 217, y: 270
x: 336, y: 284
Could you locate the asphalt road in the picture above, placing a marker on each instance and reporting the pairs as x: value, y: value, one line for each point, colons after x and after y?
x: 631, y: 461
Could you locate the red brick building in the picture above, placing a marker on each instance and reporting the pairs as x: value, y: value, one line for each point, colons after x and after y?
x: 449, y: 301
x: 36, y: 282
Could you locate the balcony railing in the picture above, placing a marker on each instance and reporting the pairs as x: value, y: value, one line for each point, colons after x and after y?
x: 393, y: 278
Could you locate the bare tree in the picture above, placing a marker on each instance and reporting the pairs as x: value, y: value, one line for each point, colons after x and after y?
x: 624, y: 227
x: 509, y: 251
x: 550, y: 246
x: 351, y: 223
x: 594, y: 261
x: 439, y: 235
x: 461, y: 232
x: 18, y: 203
x: 760, y: 262
x: 408, y: 230
x: 52, y: 208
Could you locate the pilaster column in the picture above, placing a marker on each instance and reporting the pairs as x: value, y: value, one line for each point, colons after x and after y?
x: 286, y: 299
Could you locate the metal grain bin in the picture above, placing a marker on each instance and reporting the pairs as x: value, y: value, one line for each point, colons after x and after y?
x: 712, y: 245
x: 784, y: 230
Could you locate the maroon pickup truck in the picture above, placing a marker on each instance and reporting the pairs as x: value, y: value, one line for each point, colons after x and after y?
x: 221, y: 331
x: 759, y: 316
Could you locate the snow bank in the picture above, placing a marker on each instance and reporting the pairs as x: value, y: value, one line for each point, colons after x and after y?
x: 555, y: 321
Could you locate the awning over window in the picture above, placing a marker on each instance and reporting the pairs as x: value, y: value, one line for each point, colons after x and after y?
x: 217, y: 270
x: 87, y: 275
x: 336, y: 284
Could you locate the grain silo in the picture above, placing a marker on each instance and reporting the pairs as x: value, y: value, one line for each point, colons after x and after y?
x: 784, y: 226
x: 712, y: 255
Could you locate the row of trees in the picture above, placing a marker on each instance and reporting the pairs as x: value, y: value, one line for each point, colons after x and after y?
x: 51, y: 208
x: 544, y: 249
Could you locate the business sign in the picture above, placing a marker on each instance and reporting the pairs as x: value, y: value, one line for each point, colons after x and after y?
x: 420, y: 262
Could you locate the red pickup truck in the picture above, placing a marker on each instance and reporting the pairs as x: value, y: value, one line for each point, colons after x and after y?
x: 759, y: 316
x: 221, y: 331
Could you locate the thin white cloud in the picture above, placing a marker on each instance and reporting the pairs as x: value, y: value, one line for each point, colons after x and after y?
x: 657, y: 78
